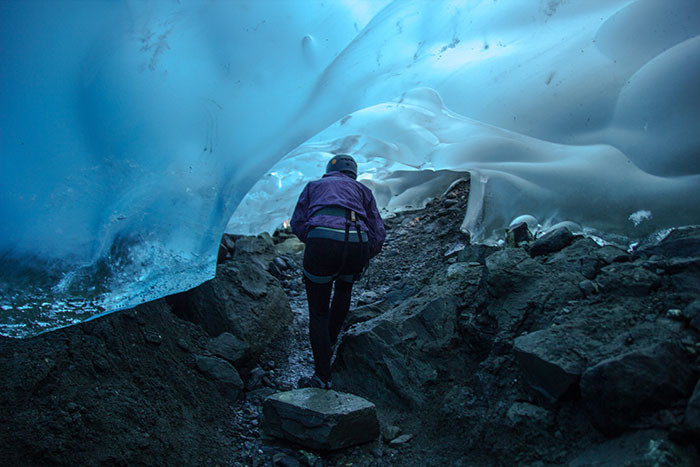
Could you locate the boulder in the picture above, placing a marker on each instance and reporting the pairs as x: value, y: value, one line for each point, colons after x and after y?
x: 642, y: 448
x: 692, y: 411
x: 552, y: 242
x: 222, y: 373
x: 243, y: 300
x: 679, y: 242
x: 320, y: 419
x: 394, y: 355
x: 261, y: 246
x: 549, y: 363
x: 622, y: 389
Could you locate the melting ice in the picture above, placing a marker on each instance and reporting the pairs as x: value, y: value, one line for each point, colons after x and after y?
x: 131, y: 131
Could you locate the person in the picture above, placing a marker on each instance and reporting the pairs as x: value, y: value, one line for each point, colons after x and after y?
x: 337, y: 218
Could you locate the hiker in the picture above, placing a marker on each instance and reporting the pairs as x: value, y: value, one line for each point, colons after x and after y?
x: 337, y: 218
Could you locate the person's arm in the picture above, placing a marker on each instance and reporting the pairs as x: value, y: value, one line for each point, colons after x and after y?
x: 377, y: 233
x: 301, y: 215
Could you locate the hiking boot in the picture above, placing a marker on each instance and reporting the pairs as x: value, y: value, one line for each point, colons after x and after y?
x: 314, y: 382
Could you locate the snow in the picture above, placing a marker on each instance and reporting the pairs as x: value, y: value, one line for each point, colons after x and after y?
x: 131, y: 131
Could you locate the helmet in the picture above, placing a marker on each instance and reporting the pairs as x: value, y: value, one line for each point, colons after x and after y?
x: 342, y: 163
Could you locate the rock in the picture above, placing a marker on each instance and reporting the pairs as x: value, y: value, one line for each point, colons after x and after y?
x: 610, y: 254
x: 641, y: 448
x: 365, y: 312
x: 222, y: 373
x: 318, y: 419
x: 510, y: 271
x: 678, y: 243
x: 476, y: 253
x: 255, y: 379
x: 394, y: 355
x: 674, y: 313
x: 152, y: 337
x: 526, y: 414
x: 590, y: 267
x: 261, y: 246
x: 229, y: 243
x: 692, y: 314
x: 222, y: 255
x: 552, y: 242
x: 403, y: 439
x: 280, y: 263
x: 290, y: 246
x: 685, y: 275
x: 588, y: 287
x: 243, y: 300
x: 620, y: 390
x: 547, y: 361
x: 692, y: 411
x: 226, y: 248
x: 257, y: 396
x: 390, y: 433
x: 229, y: 347
x: 465, y: 272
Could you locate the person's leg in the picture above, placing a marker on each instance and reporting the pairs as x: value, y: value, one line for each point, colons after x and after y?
x: 339, y: 309
x: 355, y: 262
x: 318, y: 296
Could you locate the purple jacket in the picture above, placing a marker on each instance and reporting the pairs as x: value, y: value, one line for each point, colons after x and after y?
x: 338, y: 190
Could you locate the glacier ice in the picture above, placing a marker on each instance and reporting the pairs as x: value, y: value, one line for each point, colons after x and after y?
x: 131, y: 130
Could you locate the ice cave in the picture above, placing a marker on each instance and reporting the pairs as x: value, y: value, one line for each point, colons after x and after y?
x: 135, y: 133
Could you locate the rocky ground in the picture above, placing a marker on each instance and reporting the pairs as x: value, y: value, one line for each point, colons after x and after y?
x: 553, y: 352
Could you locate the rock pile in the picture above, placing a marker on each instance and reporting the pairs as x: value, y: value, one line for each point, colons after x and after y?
x: 555, y: 334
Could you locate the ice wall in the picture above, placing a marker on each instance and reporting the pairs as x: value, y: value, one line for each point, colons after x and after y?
x: 132, y: 130
x: 600, y: 130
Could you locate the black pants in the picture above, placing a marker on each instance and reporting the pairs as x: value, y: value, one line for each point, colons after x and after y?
x: 324, y: 258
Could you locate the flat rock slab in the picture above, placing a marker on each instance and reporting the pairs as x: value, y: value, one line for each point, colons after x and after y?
x: 320, y: 419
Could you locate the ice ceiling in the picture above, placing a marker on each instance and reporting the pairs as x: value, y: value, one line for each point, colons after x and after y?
x: 131, y: 131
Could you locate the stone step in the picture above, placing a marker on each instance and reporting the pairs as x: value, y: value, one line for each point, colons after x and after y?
x: 320, y: 419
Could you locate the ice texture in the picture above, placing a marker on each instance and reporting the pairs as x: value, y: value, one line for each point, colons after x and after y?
x: 131, y: 131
